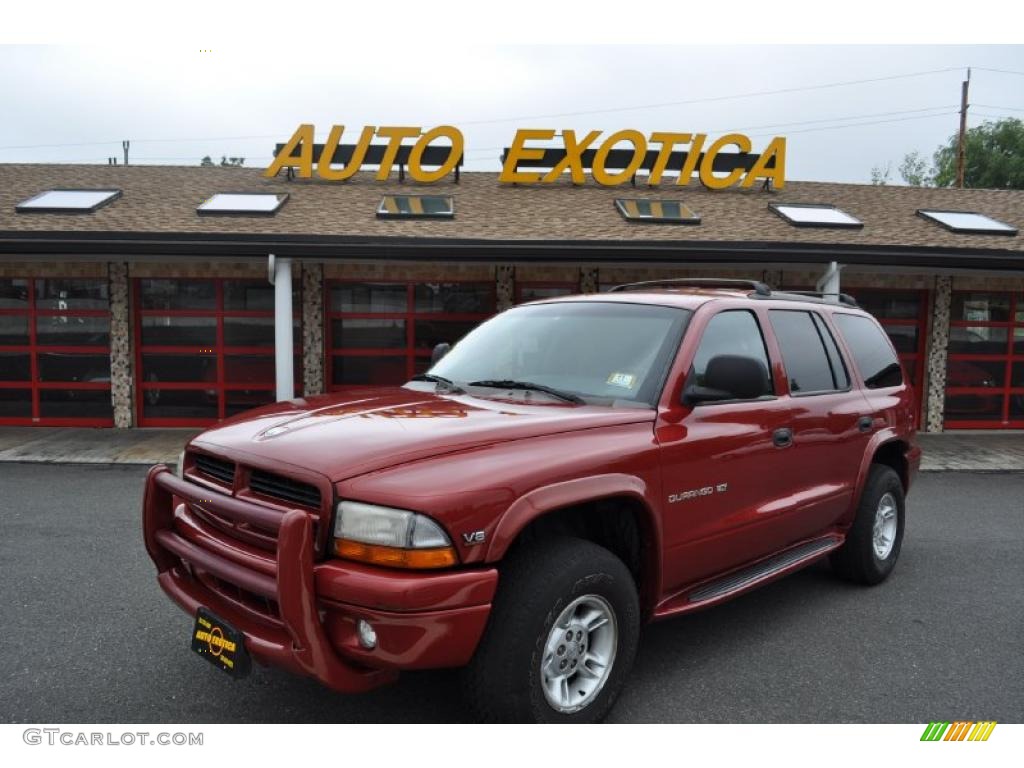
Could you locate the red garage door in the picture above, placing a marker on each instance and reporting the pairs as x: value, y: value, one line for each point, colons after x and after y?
x: 204, y: 349
x: 383, y: 333
x: 985, y: 367
x: 55, y: 352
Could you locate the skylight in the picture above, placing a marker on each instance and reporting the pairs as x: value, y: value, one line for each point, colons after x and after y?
x: 242, y: 203
x: 661, y: 211
x: 968, y: 222
x: 815, y: 215
x: 68, y: 201
x: 416, y: 207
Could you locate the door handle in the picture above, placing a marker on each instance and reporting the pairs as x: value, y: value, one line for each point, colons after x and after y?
x: 865, y: 423
x: 782, y: 438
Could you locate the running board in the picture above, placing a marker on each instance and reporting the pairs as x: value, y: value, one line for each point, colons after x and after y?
x: 735, y: 582
x: 740, y: 581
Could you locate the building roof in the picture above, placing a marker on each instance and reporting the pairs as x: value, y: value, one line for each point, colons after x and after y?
x: 157, y: 213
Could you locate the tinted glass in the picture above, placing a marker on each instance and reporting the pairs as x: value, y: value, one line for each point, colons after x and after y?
x: 13, y: 329
x: 177, y: 294
x: 840, y: 375
x: 250, y: 369
x: 455, y: 298
x: 974, y: 407
x: 350, y: 369
x: 803, y: 353
x: 66, y: 367
x: 535, y: 292
x: 903, y: 337
x: 894, y: 305
x: 369, y: 297
x: 432, y: 332
x: 975, y: 373
x: 60, y: 330
x: 179, y: 368
x: 15, y: 403
x: 15, y: 366
x: 252, y: 296
x: 72, y: 294
x: 13, y: 293
x: 254, y: 332
x: 977, y: 340
x: 179, y: 404
x: 871, y: 350
x: 977, y: 307
x: 730, y: 333
x: 75, y: 403
x: 367, y: 333
x: 179, y: 331
x: 236, y: 401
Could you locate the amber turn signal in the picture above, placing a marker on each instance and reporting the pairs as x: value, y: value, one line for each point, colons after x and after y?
x: 394, y: 557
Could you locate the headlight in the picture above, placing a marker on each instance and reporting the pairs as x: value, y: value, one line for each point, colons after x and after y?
x: 392, y: 537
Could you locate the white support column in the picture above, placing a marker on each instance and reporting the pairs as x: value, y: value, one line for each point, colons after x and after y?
x: 280, y: 274
x: 829, y: 282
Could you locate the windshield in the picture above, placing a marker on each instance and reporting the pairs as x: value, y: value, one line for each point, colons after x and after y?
x: 601, y: 352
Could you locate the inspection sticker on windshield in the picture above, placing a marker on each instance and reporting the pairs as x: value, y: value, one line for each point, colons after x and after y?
x: 626, y: 380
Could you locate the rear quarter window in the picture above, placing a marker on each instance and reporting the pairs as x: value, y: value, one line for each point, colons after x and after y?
x: 871, y: 349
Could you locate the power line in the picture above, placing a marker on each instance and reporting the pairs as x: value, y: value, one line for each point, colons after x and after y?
x: 873, y: 122
x: 1000, y: 71
x: 709, y: 99
x: 993, y: 106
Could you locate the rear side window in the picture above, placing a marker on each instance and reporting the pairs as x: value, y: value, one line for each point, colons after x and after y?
x: 734, y: 332
x: 839, y: 372
x: 871, y: 350
x: 808, y: 367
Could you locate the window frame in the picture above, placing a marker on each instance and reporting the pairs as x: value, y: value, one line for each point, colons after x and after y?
x: 924, y: 213
x: 1008, y: 357
x: 282, y: 198
x: 776, y: 208
x: 383, y: 213
x: 220, y: 350
x: 817, y: 325
x: 622, y: 205
x: 690, y: 372
x: 409, y: 316
x: 22, y: 207
x: 32, y: 312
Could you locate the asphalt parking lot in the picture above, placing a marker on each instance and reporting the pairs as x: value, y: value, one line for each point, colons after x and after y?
x: 87, y: 636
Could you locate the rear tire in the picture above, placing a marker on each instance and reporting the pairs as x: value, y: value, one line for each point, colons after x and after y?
x: 526, y: 665
x: 873, y: 543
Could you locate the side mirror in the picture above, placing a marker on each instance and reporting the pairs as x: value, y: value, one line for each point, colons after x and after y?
x: 440, y: 350
x: 730, y: 377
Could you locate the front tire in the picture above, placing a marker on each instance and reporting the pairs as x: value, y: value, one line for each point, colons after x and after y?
x: 873, y: 544
x: 561, y: 638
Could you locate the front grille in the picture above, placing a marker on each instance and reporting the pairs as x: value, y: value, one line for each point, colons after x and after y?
x: 284, y: 488
x: 218, y: 469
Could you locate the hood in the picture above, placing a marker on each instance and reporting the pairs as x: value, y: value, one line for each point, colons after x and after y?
x: 362, y: 430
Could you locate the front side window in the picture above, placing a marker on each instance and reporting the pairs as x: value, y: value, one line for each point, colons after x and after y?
x: 730, y: 333
x: 605, y: 353
x: 804, y: 354
x: 871, y: 350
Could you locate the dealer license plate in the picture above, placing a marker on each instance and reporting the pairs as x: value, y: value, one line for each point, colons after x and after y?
x: 220, y: 644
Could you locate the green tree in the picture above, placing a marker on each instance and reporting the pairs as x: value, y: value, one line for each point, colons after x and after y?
x: 206, y: 161
x: 880, y: 174
x: 995, y: 157
x: 232, y: 162
x: 914, y: 170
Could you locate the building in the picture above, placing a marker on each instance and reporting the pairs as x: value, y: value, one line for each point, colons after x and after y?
x: 142, y: 310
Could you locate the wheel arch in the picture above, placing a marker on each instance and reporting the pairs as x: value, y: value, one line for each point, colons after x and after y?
x: 610, y: 510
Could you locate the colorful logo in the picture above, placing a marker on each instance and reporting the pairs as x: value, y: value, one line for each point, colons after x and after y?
x: 959, y: 731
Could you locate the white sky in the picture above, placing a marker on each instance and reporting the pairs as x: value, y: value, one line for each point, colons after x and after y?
x: 95, y: 97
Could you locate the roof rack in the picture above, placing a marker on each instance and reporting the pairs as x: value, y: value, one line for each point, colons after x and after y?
x: 843, y: 298
x: 759, y: 288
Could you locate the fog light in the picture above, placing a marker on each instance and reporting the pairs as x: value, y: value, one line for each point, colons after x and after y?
x: 367, y: 637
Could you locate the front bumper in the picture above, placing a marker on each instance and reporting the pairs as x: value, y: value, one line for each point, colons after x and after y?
x: 422, y: 619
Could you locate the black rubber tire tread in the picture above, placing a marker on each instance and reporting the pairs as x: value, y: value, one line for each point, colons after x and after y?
x: 856, y: 560
x: 502, y: 682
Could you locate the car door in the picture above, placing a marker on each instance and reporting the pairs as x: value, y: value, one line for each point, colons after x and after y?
x: 827, y: 420
x: 720, y: 461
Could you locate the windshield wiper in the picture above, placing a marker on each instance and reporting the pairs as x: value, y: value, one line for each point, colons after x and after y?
x: 511, y: 384
x: 450, y: 385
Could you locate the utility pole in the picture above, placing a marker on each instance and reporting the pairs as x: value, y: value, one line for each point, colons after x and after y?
x: 961, y: 151
x: 125, y: 145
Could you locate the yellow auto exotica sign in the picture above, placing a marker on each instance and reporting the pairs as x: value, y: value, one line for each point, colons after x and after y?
x: 696, y: 152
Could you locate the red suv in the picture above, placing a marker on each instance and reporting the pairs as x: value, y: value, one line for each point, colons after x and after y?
x: 571, y: 469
